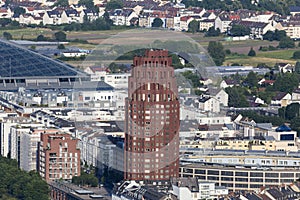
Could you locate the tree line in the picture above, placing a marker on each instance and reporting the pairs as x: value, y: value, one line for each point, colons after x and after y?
x: 18, y: 184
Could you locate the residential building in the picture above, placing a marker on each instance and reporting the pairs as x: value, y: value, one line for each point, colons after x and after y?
x: 59, y: 156
x: 184, y: 22
x: 285, y: 67
x: 205, y: 24
x: 257, y: 29
x: 296, y: 95
x: 220, y: 95
x: 292, y: 29
x: 281, y: 99
x: 30, y: 19
x: 116, y: 80
x: 122, y: 17
x: 283, y: 133
x: 52, y: 17
x: 209, y: 104
x: 222, y: 22
x: 88, y: 15
x: 152, y: 119
x: 294, y: 10
x: 70, y: 16
x: 228, y: 83
x: 29, y: 142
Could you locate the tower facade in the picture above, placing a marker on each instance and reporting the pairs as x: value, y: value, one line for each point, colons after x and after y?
x: 152, y: 119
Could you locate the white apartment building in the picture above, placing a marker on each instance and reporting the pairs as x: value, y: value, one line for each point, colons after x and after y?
x: 118, y: 80
x: 29, y: 149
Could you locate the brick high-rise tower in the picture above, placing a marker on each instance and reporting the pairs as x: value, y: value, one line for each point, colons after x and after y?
x: 152, y: 119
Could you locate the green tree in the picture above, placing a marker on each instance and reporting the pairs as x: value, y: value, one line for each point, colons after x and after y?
x: 286, y: 43
x: 251, y: 79
x: 252, y: 52
x: 286, y: 82
x: 61, y: 46
x: 60, y: 36
x: 176, y: 62
x: 279, y: 35
x: 292, y: 111
x: 212, y: 32
x: 19, y: 10
x: 266, y: 96
x: 297, y: 67
x: 7, y: 36
x: 296, y: 55
x: 236, y: 97
x: 114, y: 4
x: 194, y: 26
x: 89, y: 4
x: 216, y: 51
x: 61, y: 3
x: 18, y: 184
x: 239, y: 30
x: 276, y: 35
x: 41, y: 38
x: 193, y: 77
x: 157, y: 22
x: 107, y: 19
x: 4, y: 22
x: 295, y: 125
x: 269, y: 35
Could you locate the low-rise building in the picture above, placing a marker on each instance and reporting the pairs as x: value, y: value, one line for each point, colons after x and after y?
x: 281, y: 99
x: 187, y: 188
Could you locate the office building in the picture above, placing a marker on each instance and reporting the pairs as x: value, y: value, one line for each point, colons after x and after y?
x: 152, y: 119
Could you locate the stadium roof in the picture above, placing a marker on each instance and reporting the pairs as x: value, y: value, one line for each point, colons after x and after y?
x: 18, y: 62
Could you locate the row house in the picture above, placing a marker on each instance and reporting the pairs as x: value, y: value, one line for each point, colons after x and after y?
x: 296, y: 95
x: 211, y: 14
x: 222, y: 23
x: 292, y: 29
x: 294, y: 10
x: 30, y: 19
x: 281, y: 99
x: 121, y: 17
x: 205, y: 24
x: 184, y: 22
x: 90, y: 15
x: 70, y: 16
x: 6, y: 13
x: 144, y: 20
x: 52, y: 17
x: 257, y: 29
x: 192, y: 11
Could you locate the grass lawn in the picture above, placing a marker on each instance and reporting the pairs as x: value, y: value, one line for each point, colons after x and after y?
x: 28, y: 33
x: 270, y: 58
x: 279, y: 54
